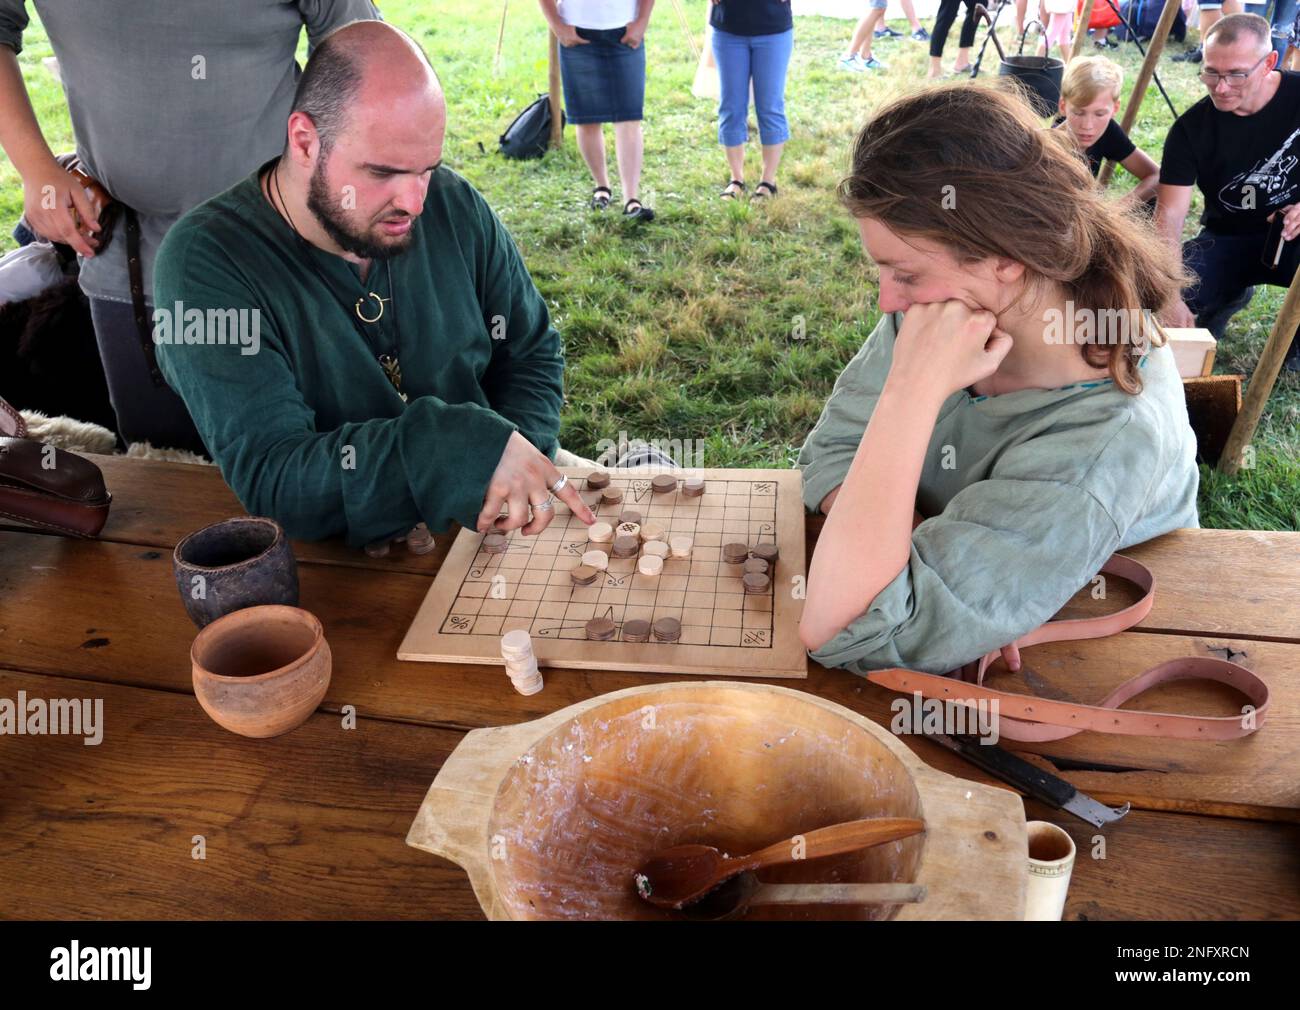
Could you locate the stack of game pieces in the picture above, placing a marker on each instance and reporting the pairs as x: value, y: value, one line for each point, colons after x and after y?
x: 584, y: 575
x: 756, y: 583
x: 653, y: 531
x: 628, y: 530
x: 767, y: 552
x: 756, y: 566
x: 598, y: 560
x: 650, y: 565
x: 667, y: 629
x: 625, y: 547
x: 636, y: 630
x: 735, y: 553
x: 521, y: 664
x: 496, y: 543
x: 600, y: 533
x: 611, y: 496
x: 654, y: 549
x: 420, y: 540
x: 681, y: 545
x: 692, y: 487
x: 597, y: 480
x: 665, y: 483
x: 629, y: 516
x: 600, y: 629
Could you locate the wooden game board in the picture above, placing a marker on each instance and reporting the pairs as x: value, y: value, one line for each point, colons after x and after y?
x: 477, y: 597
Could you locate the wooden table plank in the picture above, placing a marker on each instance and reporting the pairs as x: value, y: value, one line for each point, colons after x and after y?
x: 121, y: 621
x: 1223, y: 583
x: 312, y: 825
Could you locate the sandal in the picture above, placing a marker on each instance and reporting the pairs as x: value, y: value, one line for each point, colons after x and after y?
x: 642, y: 213
x: 729, y: 194
x: 760, y: 195
x: 599, y: 201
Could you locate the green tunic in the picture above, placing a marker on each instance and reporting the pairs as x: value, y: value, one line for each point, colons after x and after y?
x: 1028, y: 493
x: 309, y: 430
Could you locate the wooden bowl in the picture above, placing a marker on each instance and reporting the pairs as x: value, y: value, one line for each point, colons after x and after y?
x: 551, y: 818
x: 261, y: 671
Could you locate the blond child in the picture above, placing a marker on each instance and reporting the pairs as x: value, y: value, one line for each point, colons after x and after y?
x: 1089, y: 102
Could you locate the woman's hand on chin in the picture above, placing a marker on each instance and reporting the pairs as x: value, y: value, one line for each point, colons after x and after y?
x: 946, y: 346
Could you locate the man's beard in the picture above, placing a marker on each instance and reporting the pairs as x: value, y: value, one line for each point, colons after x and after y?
x: 331, y: 218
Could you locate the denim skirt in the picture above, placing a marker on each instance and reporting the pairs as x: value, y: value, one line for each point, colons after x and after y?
x: 604, y: 81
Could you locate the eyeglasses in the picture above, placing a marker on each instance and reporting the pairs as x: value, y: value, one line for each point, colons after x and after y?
x: 1235, y: 78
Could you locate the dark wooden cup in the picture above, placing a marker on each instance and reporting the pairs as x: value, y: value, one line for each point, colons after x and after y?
x: 236, y: 563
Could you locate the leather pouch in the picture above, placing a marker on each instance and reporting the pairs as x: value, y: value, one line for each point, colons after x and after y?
x: 51, y: 488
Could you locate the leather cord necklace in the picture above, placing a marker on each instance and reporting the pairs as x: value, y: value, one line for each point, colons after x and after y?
x: 388, y: 360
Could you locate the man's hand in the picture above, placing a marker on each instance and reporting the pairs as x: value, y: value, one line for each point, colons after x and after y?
x: 1290, y: 220
x: 1177, y: 314
x: 946, y: 346
x: 634, y: 34
x: 568, y: 36
x: 524, y: 478
x: 58, y: 209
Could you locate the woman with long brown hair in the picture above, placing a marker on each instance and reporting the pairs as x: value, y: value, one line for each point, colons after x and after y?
x: 1015, y: 417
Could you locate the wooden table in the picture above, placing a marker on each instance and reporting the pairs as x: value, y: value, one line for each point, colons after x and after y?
x: 312, y: 824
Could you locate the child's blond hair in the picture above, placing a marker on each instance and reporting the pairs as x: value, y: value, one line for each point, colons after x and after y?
x: 1089, y: 77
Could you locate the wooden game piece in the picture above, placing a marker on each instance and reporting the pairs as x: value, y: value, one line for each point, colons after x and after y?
x: 625, y: 547
x: 654, y: 549
x: 420, y: 540
x: 650, y: 565
x: 636, y: 630
x: 681, y: 545
x: 600, y: 533
x: 667, y: 629
x: 496, y: 543
x: 653, y: 531
x: 629, y: 516
x: 768, y: 552
x: 756, y: 583
x: 378, y: 549
x: 611, y: 496
x: 756, y: 566
x: 628, y: 530
x: 597, y: 480
x: 735, y: 553
x: 516, y: 643
x: 584, y: 575
x: 664, y: 483
x: 600, y: 629
x: 693, y: 487
x: 598, y: 560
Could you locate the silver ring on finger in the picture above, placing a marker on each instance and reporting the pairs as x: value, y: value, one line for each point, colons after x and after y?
x: 545, y: 506
x: 560, y: 484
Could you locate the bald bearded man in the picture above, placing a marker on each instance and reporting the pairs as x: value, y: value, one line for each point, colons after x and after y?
x: 352, y: 328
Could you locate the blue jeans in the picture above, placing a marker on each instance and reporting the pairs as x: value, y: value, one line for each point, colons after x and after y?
x: 1228, y: 268
x: 1283, y: 17
x: 763, y: 59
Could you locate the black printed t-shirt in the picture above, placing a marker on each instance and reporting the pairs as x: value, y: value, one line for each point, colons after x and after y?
x: 1246, y: 166
x: 1113, y: 144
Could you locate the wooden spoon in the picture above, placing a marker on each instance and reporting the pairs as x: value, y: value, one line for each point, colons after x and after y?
x: 735, y: 897
x: 673, y: 877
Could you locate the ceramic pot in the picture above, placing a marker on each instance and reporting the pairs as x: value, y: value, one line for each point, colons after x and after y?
x: 236, y: 563
x: 261, y: 671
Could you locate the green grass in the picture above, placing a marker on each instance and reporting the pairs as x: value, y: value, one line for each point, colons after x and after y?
x: 685, y: 328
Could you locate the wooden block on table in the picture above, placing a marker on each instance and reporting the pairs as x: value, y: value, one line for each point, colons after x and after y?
x: 1193, y: 349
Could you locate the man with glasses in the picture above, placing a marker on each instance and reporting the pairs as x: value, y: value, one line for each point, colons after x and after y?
x: 402, y: 367
x: 1240, y: 146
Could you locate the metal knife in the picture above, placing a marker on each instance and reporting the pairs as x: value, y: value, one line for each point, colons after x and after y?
x: 1041, y: 785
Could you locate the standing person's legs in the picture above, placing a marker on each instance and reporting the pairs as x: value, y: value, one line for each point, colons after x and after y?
x: 909, y: 12
x: 629, y: 104
x: 966, y: 38
x: 732, y: 53
x: 1058, y: 31
x: 943, y: 20
x: 1283, y: 18
x: 629, y: 147
x: 145, y: 412
x: 586, y: 104
x: 862, y: 36
x: 591, y: 145
x: 770, y: 63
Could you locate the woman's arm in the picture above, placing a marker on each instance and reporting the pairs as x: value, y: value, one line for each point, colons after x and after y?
x: 829, y: 500
x: 866, y: 541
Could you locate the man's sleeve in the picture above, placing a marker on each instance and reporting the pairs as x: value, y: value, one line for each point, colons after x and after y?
x: 1178, y: 162
x: 1001, y: 559
x: 525, y: 381
x: 322, y: 16
x: 831, y: 445
x: 365, y: 480
x: 13, y: 21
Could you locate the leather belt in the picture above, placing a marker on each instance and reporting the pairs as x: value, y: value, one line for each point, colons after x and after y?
x: 1027, y: 718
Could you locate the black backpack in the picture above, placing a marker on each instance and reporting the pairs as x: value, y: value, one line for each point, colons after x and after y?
x: 530, y: 134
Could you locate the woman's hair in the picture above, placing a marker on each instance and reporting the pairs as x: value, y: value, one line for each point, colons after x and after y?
x: 1089, y: 77
x: 972, y: 168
